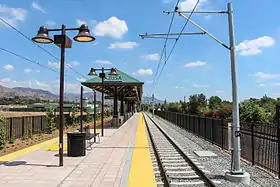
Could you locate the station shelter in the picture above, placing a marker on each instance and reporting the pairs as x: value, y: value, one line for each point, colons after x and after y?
x: 125, y: 91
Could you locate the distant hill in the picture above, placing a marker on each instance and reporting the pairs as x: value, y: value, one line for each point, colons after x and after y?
x: 148, y: 100
x: 30, y: 93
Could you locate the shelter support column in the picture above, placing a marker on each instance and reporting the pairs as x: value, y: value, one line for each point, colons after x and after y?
x: 115, y: 111
x: 122, y: 106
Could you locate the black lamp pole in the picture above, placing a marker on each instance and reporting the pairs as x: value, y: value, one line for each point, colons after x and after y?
x: 94, y: 120
x: 81, y: 110
x: 62, y: 41
x: 102, y: 102
x: 61, y: 98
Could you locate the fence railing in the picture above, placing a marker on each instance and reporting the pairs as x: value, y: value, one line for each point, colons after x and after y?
x: 24, y: 126
x: 259, y: 143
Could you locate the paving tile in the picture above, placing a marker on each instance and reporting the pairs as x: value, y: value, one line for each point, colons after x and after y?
x: 102, y: 166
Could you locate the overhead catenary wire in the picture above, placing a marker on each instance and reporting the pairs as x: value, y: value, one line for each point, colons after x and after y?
x: 165, y: 42
x: 34, y: 62
x: 176, y: 42
x: 26, y: 37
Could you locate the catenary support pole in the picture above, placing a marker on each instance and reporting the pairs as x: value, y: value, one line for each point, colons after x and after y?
x: 236, y: 125
x: 236, y: 173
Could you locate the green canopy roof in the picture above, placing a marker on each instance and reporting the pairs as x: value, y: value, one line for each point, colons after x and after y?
x: 121, y: 77
x: 122, y: 84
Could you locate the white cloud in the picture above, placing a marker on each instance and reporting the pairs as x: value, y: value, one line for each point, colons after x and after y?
x: 50, y: 23
x: 36, y: 5
x: 276, y: 84
x: 103, y: 62
x: 123, y: 45
x: 12, y: 15
x: 265, y: 76
x: 153, y: 57
x: 113, y: 27
x: 167, y: 1
x: 28, y: 70
x: 81, y: 79
x: 144, y: 72
x: 8, y: 67
x: 74, y: 63
x: 200, y: 85
x: 54, y: 65
x: 179, y: 87
x: 195, y: 64
x: 260, y: 85
x: 149, y: 82
x: 188, y: 5
x: 220, y: 91
x: 79, y: 22
x: 254, y: 47
x: 208, y: 17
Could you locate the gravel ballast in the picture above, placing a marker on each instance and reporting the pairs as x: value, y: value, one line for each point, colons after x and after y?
x: 219, y: 164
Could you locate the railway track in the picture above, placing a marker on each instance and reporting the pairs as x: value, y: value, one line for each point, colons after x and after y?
x: 172, y: 167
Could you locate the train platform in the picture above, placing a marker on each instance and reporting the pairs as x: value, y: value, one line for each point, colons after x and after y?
x: 122, y: 158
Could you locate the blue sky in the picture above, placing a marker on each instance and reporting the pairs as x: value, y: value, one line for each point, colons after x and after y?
x: 198, y: 64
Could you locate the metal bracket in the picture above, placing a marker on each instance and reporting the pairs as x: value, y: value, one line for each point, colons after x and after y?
x: 237, y: 133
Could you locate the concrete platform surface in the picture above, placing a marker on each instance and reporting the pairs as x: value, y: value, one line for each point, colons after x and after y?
x: 102, y: 166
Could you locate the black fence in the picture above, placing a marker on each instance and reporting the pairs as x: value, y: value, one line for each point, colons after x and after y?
x: 259, y: 143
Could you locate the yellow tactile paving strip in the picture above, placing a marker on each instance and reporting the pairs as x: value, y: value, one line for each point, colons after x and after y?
x: 141, y: 169
x: 27, y: 150
x: 50, y: 144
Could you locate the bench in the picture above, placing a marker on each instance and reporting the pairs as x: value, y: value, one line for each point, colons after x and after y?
x: 90, y: 135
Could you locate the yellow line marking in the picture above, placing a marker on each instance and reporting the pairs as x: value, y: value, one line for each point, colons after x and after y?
x: 36, y: 147
x: 141, y: 170
x: 27, y: 150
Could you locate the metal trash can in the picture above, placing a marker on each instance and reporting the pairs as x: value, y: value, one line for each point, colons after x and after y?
x: 76, y: 144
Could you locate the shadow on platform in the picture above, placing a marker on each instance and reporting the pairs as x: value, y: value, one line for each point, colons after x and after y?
x: 18, y: 163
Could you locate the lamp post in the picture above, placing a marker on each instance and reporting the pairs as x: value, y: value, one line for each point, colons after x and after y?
x: 102, y: 76
x: 62, y: 41
x: 94, y: 115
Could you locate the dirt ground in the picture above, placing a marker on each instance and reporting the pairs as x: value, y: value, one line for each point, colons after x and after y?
x: 38, y: 138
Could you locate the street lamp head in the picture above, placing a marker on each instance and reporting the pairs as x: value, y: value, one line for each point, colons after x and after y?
x: 92, y: 72
x: 84, y: 34
x: 42, y: 36
x: 113, y: 72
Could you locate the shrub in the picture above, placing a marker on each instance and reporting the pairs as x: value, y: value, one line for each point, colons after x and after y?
x: 51, y: 120
x: 2, y: 132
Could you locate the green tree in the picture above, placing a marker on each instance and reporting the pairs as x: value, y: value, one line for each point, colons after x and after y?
x: 51, y: 120
x: 251, y: 112
x: 214, y: 102
x: 2, y: 132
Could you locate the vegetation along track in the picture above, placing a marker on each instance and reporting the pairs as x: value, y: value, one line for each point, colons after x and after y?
x: 173, y: 167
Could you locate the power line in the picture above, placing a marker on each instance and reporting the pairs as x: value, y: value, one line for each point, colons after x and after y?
x: 32, y: 61
x: 176, y: 41
x: 164, y: 46
x: 22, y: 34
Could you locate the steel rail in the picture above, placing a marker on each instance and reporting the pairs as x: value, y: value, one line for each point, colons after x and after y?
x: 208, y: 182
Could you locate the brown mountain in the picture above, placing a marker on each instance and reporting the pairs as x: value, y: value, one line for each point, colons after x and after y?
x: 26, y: 93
